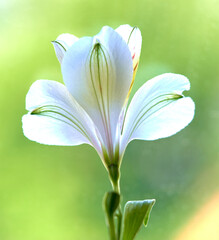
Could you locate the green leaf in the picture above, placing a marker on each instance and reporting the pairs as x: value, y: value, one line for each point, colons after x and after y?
x: 136, y: 213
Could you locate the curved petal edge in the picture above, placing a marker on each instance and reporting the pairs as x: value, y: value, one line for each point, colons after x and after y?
x: 158, y: 109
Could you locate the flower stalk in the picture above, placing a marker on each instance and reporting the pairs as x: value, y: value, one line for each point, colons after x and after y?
x: 115, y: 220
x: 114, y: 175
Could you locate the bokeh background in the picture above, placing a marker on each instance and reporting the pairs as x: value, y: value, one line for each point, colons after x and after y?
x: 55, y: 193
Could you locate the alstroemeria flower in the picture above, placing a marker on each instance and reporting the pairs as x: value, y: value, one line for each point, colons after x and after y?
x: 91, y: 107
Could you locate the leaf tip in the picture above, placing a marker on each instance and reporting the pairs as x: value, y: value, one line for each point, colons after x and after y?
x: 151, y: 203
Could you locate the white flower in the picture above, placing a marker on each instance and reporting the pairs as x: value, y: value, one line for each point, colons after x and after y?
x: 91, y: 107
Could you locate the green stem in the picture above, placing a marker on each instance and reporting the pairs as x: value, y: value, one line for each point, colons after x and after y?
x: 119, y: 221
x: 111, y: 202
x: 114, y: 175
x: 112, y: 228
x: 116, y: 188
x: 115, y: 229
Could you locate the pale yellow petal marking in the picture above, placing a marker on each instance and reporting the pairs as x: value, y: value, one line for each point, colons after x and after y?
x: 135, y: 60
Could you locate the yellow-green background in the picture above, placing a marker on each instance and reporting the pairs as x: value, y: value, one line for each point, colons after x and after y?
x: 55, y: 193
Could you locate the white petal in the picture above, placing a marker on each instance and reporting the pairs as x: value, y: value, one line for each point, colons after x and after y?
x: 98, y: 72
x: 158, y: 109
x: 47, y: 130
x: 62, y: 44
x: 132, y: 35
x: 55, y: 117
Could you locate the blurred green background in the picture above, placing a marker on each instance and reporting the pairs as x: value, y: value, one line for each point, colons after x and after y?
x: 55, y: 193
